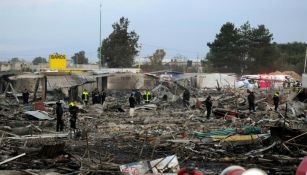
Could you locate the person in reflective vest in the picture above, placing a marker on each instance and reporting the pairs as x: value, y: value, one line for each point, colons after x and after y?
x: 73, y: 110
x: 85, y: 96
x: 147, y: 96
x: 276, y: 100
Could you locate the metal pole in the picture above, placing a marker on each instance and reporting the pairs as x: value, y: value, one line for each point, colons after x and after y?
x: 100, y: 61
x: 305, y: 61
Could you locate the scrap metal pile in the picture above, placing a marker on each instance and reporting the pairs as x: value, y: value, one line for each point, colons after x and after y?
x: 107, y: 138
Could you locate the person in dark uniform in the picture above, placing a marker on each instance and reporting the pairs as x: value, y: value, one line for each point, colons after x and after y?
x: 95, y: 96
x: 103, y: 96
x: 59, y: 116
x: 186, y: 98
x: 251, y: 102
x: 73, y: 110
x: 138, y: 96
x: 25, y: 96
x: 132, y: 103
x: 208, y: 103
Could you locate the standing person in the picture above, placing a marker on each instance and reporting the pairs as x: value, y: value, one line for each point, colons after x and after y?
x: 138, y: 96
x: 95, y: 96
x: 85, y: 96
x: 147, y: 96
x: 251, y: 101
x: 73, y: 110
x: 276, y: 100
x: 59, y: 114
x: 208, y: 106
x: 25, y: 96
x: 132, y: 103
x: 103, y: 96
x: 186, y: 98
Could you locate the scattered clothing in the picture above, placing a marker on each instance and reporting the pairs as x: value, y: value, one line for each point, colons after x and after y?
x: 191, y: 169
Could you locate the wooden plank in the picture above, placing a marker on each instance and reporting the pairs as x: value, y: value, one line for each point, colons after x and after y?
x: 35, y: 89
x: 14, y: 92
x: 13, y: 158
x: 44, y: 87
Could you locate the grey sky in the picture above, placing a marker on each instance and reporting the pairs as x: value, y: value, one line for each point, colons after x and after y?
x: 31, y: 28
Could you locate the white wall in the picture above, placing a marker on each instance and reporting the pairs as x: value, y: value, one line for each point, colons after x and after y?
x: 304, y: 80
x: 210, y: 80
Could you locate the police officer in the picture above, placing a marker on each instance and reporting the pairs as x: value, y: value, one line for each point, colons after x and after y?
x: 276, y: 100
x: 85, y: 96
x: 186, y: 98
x: 59, y: 114
x: 147, y: 96
x: 73, y: 110
x: 208, y: 106
x: 25, y: 96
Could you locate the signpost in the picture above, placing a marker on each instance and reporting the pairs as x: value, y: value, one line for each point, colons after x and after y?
x: 57, y: 61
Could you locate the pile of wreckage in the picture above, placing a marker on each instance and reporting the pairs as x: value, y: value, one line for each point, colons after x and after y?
x: 162, y: 137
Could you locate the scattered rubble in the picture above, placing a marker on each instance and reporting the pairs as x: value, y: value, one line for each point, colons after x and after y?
x: 161, y: 137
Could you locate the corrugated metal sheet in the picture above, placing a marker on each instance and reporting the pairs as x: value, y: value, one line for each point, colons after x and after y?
x: 55, y: 82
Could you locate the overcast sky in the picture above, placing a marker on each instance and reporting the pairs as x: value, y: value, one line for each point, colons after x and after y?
x: 31, y: 28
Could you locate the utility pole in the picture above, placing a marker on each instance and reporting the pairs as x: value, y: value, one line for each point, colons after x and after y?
x: 305, y: 62
x: 100, y: 54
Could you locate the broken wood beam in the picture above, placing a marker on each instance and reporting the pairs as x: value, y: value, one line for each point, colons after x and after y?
x: 13, y: 158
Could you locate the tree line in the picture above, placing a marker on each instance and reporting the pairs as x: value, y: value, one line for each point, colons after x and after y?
x: 248, y: 49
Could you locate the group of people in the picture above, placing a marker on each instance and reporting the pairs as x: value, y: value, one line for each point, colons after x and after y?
x: 59, y: 111
x: 97, y: 97
x: 251, y: 101
x: 208, y: 102
x: 136, y: 98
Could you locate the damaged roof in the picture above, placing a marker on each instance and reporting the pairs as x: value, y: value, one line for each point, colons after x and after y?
x: 54, y: 82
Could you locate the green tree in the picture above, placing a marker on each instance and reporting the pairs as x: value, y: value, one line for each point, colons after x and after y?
x: 79, y: 58
x: 292, y: 56
x: 242, y: 50
x: 225, y: 52
x: 121, y: 46
x: 38, y: 60
x: 261, y: 50
x: 157, y: 58
x: 14, y: 60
